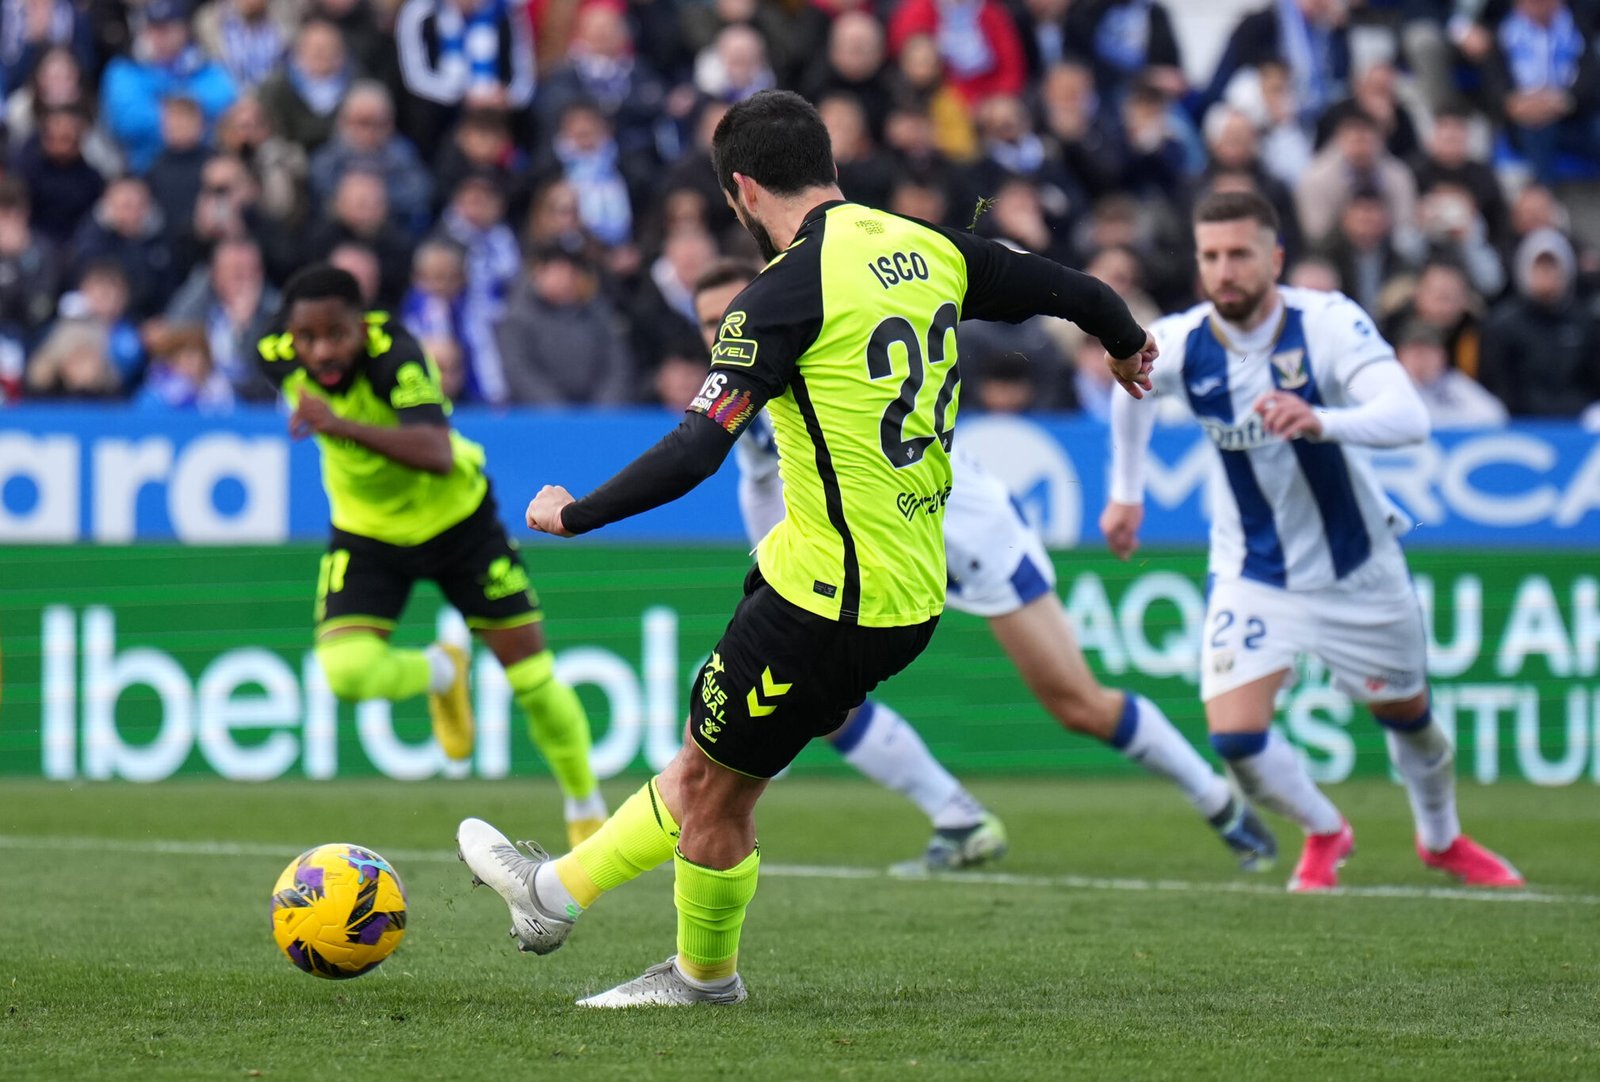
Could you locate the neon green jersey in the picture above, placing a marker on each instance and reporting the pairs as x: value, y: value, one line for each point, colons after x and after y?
x: 394, y: 384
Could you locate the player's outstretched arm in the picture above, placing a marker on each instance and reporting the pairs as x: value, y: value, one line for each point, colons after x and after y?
x: 1132, y: 423
x: 421, y: 445
x: 681, y: 460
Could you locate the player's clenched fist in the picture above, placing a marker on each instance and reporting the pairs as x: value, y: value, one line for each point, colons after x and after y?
x: 1120, y: 523
x: 544, y: 513
x: 1133, y: 372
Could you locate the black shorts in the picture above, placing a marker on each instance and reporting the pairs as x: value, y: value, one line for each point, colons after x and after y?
x: 781, y: 676
x: 365, y: 582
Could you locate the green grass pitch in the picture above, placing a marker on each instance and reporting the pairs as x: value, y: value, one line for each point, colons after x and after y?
x: 135, y: 942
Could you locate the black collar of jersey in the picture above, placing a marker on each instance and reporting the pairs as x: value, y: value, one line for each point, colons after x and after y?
x: 815, y: 213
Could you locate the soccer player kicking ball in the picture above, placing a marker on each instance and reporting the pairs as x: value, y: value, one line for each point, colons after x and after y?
x: 998, y: 569
x: 410, y: 501
x: 848, y: 338
x: 1292, y: 386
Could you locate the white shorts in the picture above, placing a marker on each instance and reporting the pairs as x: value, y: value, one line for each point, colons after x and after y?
x: 995, y: 560
x: 1367, y: 630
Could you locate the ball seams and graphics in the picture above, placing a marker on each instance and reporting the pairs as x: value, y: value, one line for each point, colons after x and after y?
x: 338, y: 910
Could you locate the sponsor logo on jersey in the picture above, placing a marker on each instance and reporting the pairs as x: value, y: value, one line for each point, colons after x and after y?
x: 1238, y: 437
x: 505, y: 578
x: 1202, y: 387
x: 911, y: 504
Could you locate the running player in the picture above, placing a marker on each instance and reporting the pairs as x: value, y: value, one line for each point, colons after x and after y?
x: 1292, y: 385
x: 848, y: 337
x: 410, y: 501
x: 998, y: 569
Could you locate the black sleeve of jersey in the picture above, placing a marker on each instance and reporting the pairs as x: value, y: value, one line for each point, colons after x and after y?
x: 681, y: 460
x: 765, y: 330
x: 1010, y: 287
x: 400, y: 375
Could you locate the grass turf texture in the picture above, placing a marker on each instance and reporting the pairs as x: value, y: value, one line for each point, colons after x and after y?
x: 122, y: 961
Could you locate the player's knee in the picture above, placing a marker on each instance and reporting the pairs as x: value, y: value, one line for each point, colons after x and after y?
x: 349, y: 663
x: 1080, y: 709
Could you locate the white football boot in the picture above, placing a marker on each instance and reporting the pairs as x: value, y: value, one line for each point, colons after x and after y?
x: 663, y: 986
x: 497, y: 863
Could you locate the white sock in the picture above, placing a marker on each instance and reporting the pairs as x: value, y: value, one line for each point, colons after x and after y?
x: 1426, y: 761
x: 1155, y: 744
x: 592, y: 806
x: 883, y: 746
x: 441, y: 670
x: 1275, y: 778
x: 551, y: 893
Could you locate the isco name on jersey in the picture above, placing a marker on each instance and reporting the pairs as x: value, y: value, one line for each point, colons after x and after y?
x: 1299, y: 514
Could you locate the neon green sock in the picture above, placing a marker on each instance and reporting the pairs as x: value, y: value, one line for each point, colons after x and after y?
x: 639, y: 836
x: 359, y: 665
x: 711, y: 909
x: 556, y: 722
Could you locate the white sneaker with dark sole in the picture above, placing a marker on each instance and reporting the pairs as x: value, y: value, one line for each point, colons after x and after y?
x: 663, y: 986
x: 498, y: 863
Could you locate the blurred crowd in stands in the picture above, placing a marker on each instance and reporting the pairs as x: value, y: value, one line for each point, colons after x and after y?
x: 528, y: 185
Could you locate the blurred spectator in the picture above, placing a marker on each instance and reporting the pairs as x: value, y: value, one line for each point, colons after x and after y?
x: 734, y: 66
x: 174, y: 176
x: 359, y: 212
x: 977, y: 39
x: 984, y: 347
x: 921, y: 84
x: 601, y: 67
x: 1016, y: 215
x: 586, y: 154
x: 1542, y: 72
x: 865, y: 174
x: 1286, y: 148
x: 127, y: 227
x: 71, y: 363
x: 447, y: 358
x: 554, y: 219
x: 481, y: 143
x: 1155, y: 165
x: 1363, y: 249
x: 361, y: 262
x: 435, y: 309
x: 102, y: 299
x: 678, y: 378
x: 1307, y: 37
x: 1355, y: 159
x: 920, y: 200
x: 854, y: 65
x: 475, y: 219
x: 57, y: 81
x: 31, y: 28
x: 278, y: 166
x: 1443, y: 300
x: 559, y: 342
x: 303, y: 97
x: 365, y: 139
x: 228, y: 207
x: 794, y: 33
x: 232, y: 303
x: 1313, y: 272
x: 163, y: 65
x: 182, y: 375
x: 1453, y: 230
x: 456, y: 53
x: 1539, y: 345
x: 1005, y: 384
x: 1089, y: 142
x: 247, y: 37
x: 1447, y: 156
x: 662, y: 315
x: 693, y: 172
x: 366, y: 31
x: 1234, y: 147
x: 1454, y: 399
x: 1374, y: 95
x: 30, y: 273
x: 1129, y: 42
x: 1042, y: 29
x: 65, y: 186
x: 1012, y: 149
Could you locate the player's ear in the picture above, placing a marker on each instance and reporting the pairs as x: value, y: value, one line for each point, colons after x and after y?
x: 1277, y: 260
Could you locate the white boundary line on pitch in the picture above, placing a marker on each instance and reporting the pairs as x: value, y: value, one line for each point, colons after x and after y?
x: 176, y: 847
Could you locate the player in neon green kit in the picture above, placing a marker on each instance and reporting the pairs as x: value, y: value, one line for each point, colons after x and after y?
x: 410, y: 501
x: 848, y: 338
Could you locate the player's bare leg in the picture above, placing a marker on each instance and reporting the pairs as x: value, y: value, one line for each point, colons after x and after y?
x: 359, y: 664
x: 884, y: 746
x: 1040, y: 642
x: 556, y: 721
x: 1271, y: 774
x: 1425, y: 758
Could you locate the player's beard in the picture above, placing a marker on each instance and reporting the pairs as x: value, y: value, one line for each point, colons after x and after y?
x: 1239, y: 307
x: 769, y: 251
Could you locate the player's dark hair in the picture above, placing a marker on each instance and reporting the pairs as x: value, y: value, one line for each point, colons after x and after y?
x: 1237, y: 206
x: 777, y: 140
x: 319, y: 282
x: 725, y: 272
